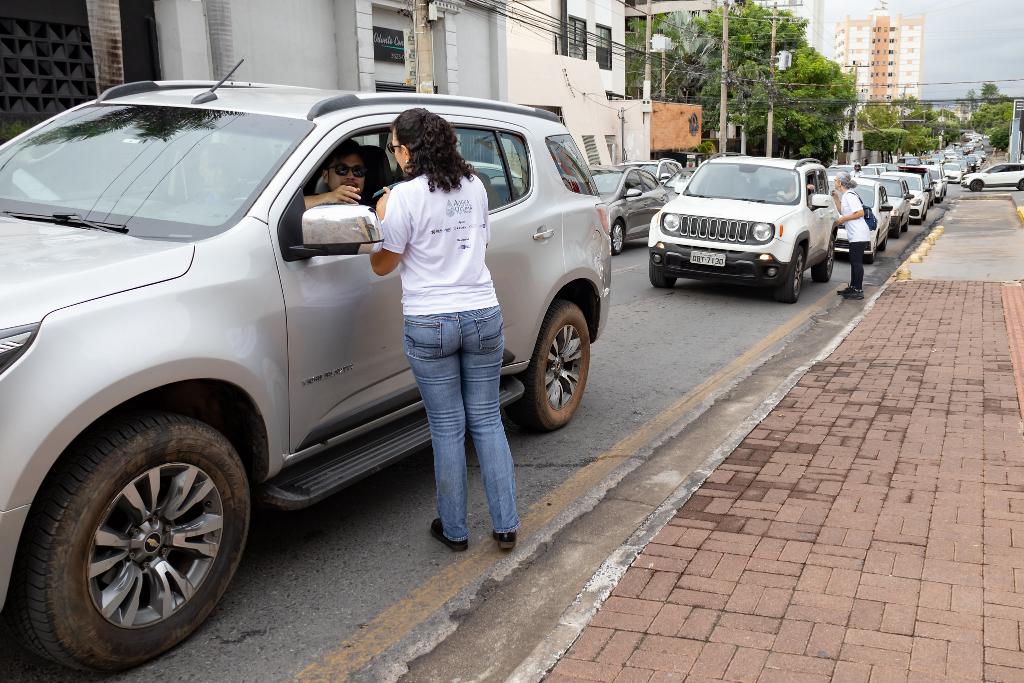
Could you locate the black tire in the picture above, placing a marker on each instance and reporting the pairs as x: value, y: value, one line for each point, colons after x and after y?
x: 1020, y: 185
x: 619, y: 231
x: 534, y: 411
x: 976, y: 186
x: 906, y: 224
x: 50, y: 611
x: 789, y: 291
x: 895, y: 232
x: 885, y: 243
x: 658, y: 278
x: 823, y: 271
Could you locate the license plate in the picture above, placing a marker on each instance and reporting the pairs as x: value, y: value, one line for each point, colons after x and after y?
x: 707, y: 258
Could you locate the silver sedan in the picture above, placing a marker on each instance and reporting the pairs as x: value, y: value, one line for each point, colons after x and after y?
x: 632, y: 196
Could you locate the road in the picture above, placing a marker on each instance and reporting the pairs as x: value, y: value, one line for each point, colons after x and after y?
x: 312, y: 581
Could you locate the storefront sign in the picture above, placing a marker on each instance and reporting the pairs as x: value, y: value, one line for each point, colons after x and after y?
x: 388, y: 45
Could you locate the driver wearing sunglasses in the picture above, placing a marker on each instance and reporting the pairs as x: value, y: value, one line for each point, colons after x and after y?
x: 345, y: 176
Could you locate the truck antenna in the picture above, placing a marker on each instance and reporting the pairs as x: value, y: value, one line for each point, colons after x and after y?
x: 211, y: 94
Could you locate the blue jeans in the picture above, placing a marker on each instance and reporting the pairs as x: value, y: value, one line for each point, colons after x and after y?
x: 456, y: 359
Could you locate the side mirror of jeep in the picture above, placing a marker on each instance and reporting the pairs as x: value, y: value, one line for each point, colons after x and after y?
x: 338, y: 229
x: 885, y: 207
x: 821, y: 201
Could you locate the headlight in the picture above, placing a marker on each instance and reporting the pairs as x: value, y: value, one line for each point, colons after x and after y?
x: 670, y: 222
x: 763, y: 231
x: 13, y: 342
x: 916, y: 201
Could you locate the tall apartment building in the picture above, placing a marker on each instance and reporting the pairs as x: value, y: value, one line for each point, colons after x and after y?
x: 885, y: 52
x: 811, y: 10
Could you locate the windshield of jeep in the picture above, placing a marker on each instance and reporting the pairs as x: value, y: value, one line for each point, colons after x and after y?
x: 746, y: 182
x: 163, y: 172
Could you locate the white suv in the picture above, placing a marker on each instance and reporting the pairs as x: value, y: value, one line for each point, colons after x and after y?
x: 750, y: 221
x: 1000, y: 175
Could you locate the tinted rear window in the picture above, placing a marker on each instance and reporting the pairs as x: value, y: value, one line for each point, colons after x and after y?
x: 570, y: 165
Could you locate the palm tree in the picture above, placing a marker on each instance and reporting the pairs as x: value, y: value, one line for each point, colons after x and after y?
x: 105, y: 35
x: 218, y: 27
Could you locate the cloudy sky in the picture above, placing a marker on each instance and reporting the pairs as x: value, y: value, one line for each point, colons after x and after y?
x: 965, y: 40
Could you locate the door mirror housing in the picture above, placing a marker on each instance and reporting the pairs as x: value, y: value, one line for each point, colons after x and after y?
x: 665, y: 176
x: 633, y: 192
x: 821, y: 201
x: 908, y: 196
x: 885, y: 207
x: 338, y: 229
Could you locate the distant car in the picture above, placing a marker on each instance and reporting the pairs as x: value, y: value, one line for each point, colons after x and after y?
x: 973, y: 163
x: 938, y: 183
x: 632, y: 197
x: 885, y: 167
x: 678, y: 182
x: 899, y: 196
x: 952, y: 171
x: 929, y: 189
x: 1000, y: 175
x: 909, y: 161
x: 871, y: 171
x: 919, y: 202
x: 662, y: 169
x: 872, y: 195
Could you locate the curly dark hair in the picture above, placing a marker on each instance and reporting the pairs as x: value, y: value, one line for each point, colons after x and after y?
x: 433, y: 149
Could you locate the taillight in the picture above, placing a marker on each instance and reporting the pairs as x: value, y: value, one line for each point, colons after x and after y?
x: 602, y: 213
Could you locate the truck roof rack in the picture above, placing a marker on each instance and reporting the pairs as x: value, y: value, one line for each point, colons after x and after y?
x: 807, y: 160
x: 340, y: 102
x: 138, y: 87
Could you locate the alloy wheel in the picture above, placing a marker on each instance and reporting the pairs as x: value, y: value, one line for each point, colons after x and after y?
x: 563, y: 371
x: 155, y: 545
x: 618, y: 238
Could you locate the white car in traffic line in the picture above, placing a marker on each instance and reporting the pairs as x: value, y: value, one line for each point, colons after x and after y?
x: 872, y: 195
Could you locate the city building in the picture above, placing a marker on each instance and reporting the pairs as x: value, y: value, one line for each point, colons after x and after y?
x: 638, y: 8
x: 884, y: 51
x: 811, y: 10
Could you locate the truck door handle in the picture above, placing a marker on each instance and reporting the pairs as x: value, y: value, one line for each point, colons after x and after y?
x: 542, y: 234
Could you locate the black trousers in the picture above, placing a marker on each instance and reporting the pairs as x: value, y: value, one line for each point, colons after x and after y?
x: 857, y: 250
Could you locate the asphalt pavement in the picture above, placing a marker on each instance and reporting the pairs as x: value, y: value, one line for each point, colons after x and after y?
x: 312, y: 581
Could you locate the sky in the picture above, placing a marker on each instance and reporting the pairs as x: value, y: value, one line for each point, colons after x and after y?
x: 965, y: 40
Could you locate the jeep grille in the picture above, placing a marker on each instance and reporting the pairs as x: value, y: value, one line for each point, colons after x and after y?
x: 717, y: 229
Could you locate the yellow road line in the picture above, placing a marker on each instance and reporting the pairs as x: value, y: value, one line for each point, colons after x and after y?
x: 397, y: 621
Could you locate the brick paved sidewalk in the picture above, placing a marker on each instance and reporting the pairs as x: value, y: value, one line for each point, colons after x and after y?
x: 870, y: 529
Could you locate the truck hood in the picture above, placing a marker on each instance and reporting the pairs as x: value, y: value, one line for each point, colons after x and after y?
x: 44, y: 267
x: 733, y: 209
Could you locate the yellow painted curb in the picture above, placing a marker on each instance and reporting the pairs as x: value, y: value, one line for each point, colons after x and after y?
x: 902, y: 273
x: 915, y: 258
x: 1020, y: 213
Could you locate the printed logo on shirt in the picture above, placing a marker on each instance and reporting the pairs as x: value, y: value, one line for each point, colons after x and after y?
x: 458, y: 207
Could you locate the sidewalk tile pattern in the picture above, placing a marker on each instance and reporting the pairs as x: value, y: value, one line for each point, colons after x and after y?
x: 870, y: 529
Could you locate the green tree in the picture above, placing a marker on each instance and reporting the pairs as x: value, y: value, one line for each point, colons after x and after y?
x: 991, y: 118
x: 1000, y: 138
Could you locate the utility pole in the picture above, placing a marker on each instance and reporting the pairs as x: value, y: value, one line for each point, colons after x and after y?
x: 722, y: 114
x: 647, y: 52
x: 663, y: 75
x: 622, y: 134
x: 424, y: 47
x: 770, y: 135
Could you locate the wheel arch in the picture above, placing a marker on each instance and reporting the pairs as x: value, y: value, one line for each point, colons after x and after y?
x: 583, y: 293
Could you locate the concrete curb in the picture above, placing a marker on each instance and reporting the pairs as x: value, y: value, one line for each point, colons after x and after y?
x: 597, y: 590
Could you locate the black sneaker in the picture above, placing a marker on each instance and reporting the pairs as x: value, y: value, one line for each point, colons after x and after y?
x: 844, y: 292
x: 854, y: 294
x: 506, y: 541
x: 437, y: 531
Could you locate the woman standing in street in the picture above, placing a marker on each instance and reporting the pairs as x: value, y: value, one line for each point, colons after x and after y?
x: 436, y: 226
x: 851, y: 217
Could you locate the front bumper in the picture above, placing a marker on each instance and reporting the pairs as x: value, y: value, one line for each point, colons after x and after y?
x: 11, y: 524
x: 915, y: 212
x: 741, y: 267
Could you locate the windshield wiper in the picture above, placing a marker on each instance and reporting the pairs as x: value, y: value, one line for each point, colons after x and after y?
x: 70, y: 219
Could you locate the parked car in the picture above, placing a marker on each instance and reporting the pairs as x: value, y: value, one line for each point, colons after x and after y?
x: 180, y: 338
x: 899, y: 196
x: 662, y: 169
x: 919, y: 195
x: 874, y: 196
x: 748, y: 220
x: 999, y: 175
x: 632, y: 197
x: 871, y: 171
x: 929, y: 188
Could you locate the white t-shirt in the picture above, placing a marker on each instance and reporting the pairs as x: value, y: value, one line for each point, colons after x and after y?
x: 857, y: 230
x: 442, y: 237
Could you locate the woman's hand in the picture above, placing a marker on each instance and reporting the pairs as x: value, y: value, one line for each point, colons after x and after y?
x: 382, y: 203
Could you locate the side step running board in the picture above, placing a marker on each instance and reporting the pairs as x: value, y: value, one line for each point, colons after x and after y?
x: 311, y: 481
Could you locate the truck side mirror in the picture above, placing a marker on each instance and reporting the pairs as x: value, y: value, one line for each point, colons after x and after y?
x: 338, y: 229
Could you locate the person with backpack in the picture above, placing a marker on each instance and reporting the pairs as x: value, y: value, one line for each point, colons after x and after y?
x: 852, y: 216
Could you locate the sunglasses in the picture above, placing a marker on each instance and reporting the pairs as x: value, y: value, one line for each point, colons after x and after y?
x: 344, y: 169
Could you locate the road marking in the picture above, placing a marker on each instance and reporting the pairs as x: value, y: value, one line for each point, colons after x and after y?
x: 394, y: 623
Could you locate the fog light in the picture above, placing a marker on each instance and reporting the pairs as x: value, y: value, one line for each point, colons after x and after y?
x: 657, y: 258
x: 661, y: 245
x: 772, y: 271
x: 764, y: 257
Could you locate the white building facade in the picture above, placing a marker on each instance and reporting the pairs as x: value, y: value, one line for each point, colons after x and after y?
x: 885, y: 52
x: 339, y: 44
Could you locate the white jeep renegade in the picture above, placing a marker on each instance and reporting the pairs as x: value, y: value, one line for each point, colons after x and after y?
x: 748, y: 220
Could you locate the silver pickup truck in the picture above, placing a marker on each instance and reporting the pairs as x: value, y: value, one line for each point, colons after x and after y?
x: 180, y: 340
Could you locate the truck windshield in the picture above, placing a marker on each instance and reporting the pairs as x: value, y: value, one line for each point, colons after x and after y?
x: 163, y: 172
x: 746, y: 182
